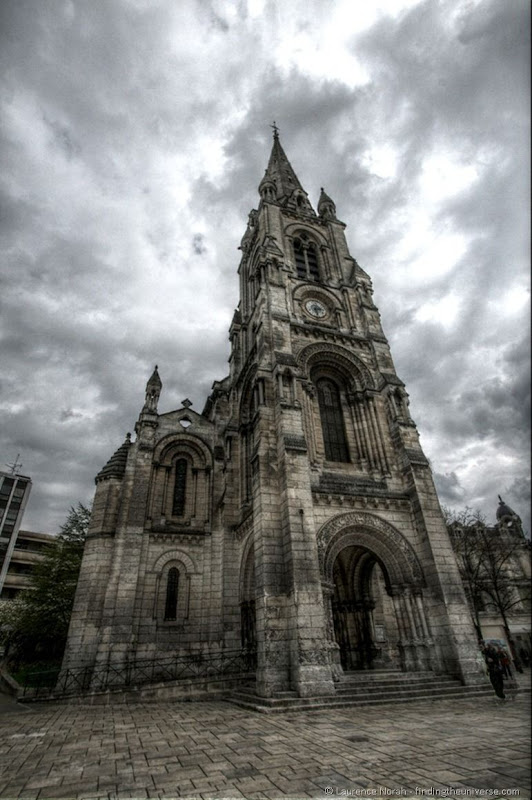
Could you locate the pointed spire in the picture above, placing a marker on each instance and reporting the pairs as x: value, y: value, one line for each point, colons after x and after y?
x: 153, y: 391
x: 279, y: 172
x: 155, y: 380
x: 326, y: 207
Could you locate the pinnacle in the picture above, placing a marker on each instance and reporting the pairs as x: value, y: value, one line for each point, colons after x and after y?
x: 155, y: 378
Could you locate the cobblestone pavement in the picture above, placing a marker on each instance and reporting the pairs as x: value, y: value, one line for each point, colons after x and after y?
x: 216, y: 750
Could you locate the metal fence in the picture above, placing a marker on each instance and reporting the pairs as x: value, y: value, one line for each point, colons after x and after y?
x: 138, y: 672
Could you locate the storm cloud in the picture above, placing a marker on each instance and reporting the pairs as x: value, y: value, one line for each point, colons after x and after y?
x: 134, y: 137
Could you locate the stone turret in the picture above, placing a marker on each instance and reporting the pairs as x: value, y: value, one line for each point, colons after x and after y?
x: 153, y: 391
x: 326, y: 207
x: 148, y: 417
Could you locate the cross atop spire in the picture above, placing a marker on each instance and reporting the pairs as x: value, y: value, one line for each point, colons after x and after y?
x: 279, y: 172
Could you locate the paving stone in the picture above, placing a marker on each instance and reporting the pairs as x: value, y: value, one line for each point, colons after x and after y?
x: 232, y: 753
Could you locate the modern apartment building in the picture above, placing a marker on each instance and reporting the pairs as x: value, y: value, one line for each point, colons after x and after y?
x: 29, y: 549
x: 14, y: 492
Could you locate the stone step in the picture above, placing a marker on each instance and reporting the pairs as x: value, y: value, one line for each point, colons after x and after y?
x: 342, y: 688
x: 250, y: 690
x: 403, y: 691
x: 274, y: 705
x: 400, y: 691
x: 375, y: 676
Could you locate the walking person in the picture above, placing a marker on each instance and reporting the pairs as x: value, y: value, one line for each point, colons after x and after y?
x: 495, y: 671
x: 505, y: 662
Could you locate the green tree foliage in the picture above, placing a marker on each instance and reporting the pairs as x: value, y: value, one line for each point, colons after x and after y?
x: 35, y: 625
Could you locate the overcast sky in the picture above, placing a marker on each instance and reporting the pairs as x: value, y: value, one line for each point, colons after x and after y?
x: 134, y: 136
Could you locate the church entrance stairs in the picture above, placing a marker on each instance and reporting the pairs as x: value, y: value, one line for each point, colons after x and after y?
x: 375, y: 687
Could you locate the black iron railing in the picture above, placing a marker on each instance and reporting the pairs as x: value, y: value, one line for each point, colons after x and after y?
x: 138, y: 672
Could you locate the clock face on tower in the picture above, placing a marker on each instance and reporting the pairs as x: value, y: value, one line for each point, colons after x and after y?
x: 316, y: 309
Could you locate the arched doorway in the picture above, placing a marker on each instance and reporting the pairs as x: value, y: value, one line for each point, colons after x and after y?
x: 373, y: 592
x: 247, y: 600
x: 364, y: 621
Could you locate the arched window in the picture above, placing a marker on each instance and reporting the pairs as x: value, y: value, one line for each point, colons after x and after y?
x: 306, y: 258
x: 180, y: 487
x: 332, y: 421
x: 172, y: 585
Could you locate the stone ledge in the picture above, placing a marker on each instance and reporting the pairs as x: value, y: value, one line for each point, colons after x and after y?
x: 343, y: 484
x: 360, y: 501
x: 297, y: 443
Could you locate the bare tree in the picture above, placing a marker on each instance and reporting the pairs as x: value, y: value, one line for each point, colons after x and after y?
x: 489, y: 563
x: 462, y: 528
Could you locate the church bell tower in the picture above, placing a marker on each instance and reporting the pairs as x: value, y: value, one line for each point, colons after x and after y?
x: 348, y: 564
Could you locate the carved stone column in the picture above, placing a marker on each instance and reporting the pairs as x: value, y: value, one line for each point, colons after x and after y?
x: 408, y: 661
x: 419, y: 643
x: 309, y: 394
x: 334, y: 647
x: 378, y: 436
x: 362, y: 434
x: 361, y: 453
x: 426, y: 646
x: 164, y: 502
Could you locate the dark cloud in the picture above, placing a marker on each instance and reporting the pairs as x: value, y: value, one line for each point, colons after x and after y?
x: 198, y: 244
x: 449, y: 489
x: 134, y: 138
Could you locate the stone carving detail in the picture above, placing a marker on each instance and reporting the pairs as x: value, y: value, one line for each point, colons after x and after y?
x: 285, y: 358
x: 333, y: 353
x: 274, y: 656
x: 176, y: 538
x: 368, y: 530
x: 345, y: 484
x: 309, y: 388
x: 315, y: 656
x: 295, y: 443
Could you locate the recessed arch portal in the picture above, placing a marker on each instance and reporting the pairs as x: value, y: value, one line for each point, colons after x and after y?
x: 373, y: 590
x: 364, y: 621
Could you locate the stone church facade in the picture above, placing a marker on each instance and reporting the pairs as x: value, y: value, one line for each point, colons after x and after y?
x: 296, y: 516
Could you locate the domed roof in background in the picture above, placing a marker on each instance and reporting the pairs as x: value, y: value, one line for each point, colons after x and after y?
x: 116, y: 466
x: 503, y: 510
